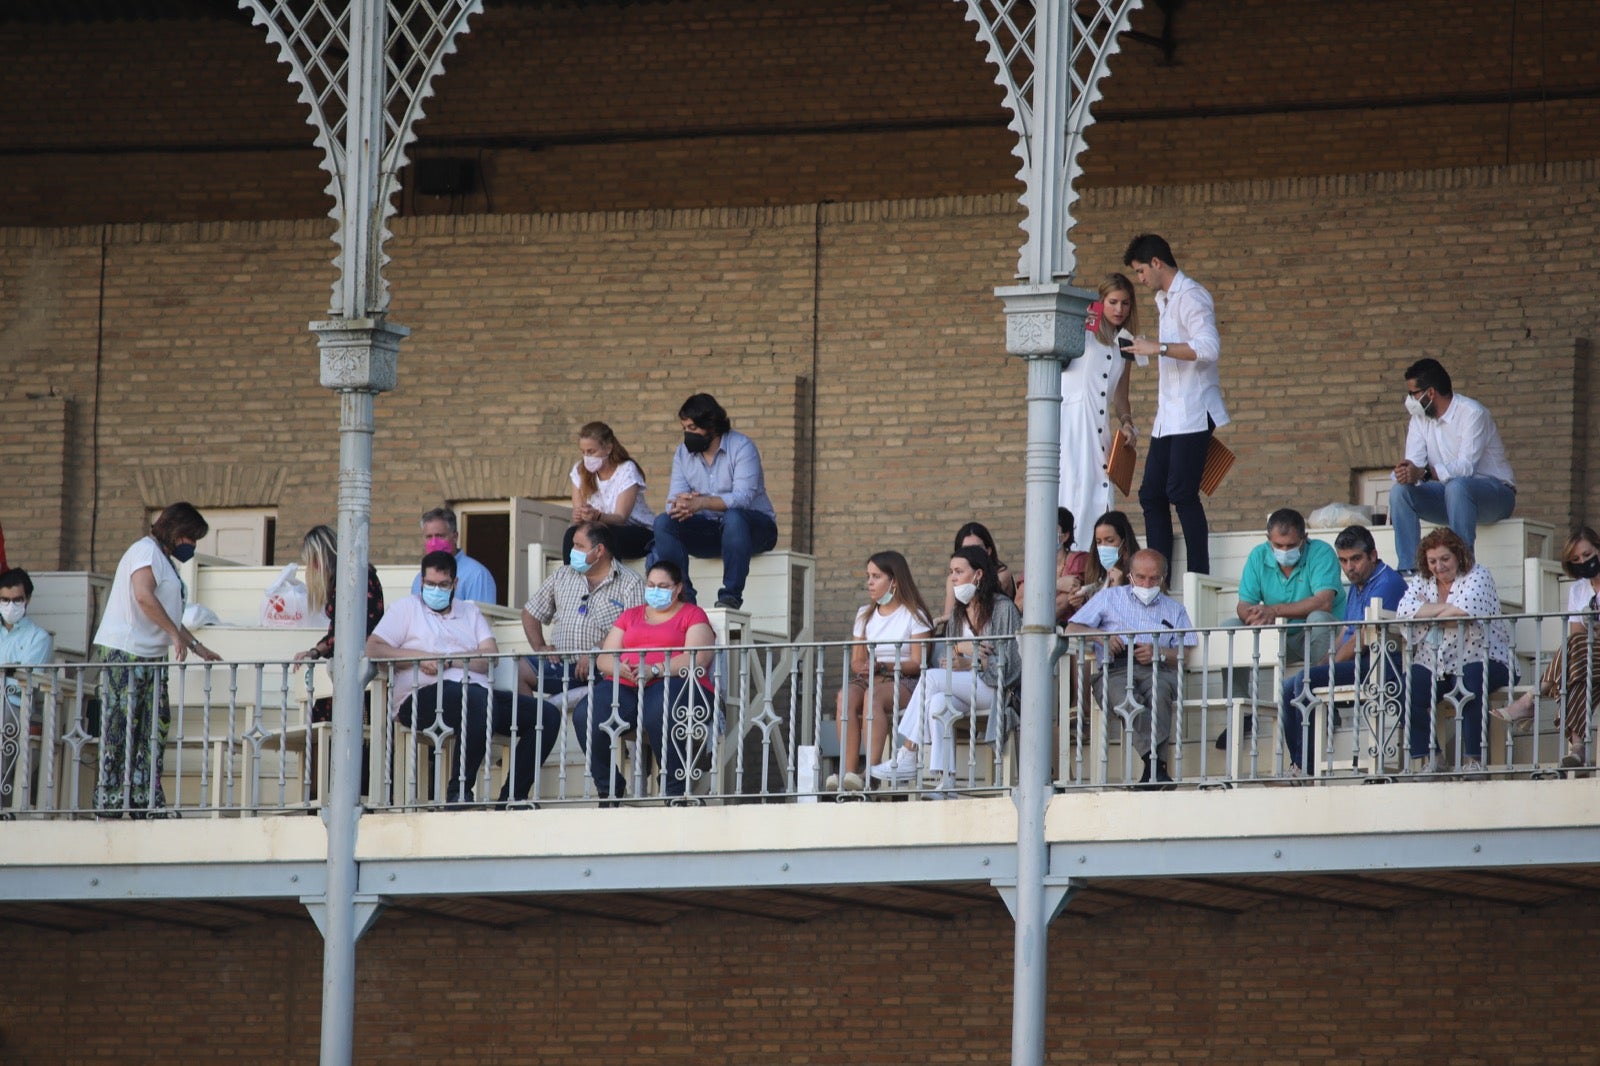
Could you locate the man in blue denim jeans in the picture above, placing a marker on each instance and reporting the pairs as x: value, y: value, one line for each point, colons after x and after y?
x: 1370, y: 578
x: 717, y: 503
x: 1455, y: 469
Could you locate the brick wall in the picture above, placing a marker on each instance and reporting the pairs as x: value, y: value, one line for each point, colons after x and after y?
x: 587, y: 107
x: 524, y: 327
x: 1463, y: 982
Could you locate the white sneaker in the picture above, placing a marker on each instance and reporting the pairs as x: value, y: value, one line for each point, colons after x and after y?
x: 831, y: 784
x: 942, y: 789
x: 901, y: 766
x: 1470, y: 765
x: 854, y: 783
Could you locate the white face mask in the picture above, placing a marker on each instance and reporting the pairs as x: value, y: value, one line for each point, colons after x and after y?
x: 12, y: 612
x: 964, y: 593
x: 1286, y: 556
x: 1147, y: 595
x: 594, y: 463
x: 886, y: 599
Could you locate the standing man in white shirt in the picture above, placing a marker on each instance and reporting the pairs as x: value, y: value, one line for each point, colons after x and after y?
x: 1455, y: 470
x: 1189, y: 400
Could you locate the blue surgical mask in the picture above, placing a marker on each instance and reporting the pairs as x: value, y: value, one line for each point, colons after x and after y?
x: 1108, y: 555
x: 183, y: 552
x: 578, y: 560
x: 658, y: 599
x: 1286, y: 556
x: 436, y: 598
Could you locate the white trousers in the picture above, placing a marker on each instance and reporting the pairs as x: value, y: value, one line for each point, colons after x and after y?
x: 942, y: 696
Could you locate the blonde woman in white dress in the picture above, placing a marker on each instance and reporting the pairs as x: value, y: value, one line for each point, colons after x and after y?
x: 1094, y: 397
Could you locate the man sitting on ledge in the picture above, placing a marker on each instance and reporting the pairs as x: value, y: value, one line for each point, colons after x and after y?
x: 1455, y: 469
x: 718, y: 501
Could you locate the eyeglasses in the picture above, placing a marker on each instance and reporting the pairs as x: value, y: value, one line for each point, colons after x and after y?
x: 445, y: 585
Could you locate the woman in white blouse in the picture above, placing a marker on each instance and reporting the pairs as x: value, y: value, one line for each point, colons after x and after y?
x: 608, y: 486
x: 1579, y: 666
x: 884, y: 663
x: 1450, y: 647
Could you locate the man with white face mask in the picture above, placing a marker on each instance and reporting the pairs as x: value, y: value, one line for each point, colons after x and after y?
x: 22, y: 643
x: 1455, y: 469
x: 1144, y: 629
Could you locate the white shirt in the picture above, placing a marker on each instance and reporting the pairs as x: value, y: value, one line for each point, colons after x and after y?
x: 413, y: 626
x: 1579, y: 596
x: 1462, y: 442
x: 888, y: 635
x: 604, y: 498
x: 1445, y: 646
x: 125, y: 626
x: 1188, y: 391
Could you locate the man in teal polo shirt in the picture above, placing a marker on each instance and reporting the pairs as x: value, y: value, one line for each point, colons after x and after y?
x: 1295, y: 579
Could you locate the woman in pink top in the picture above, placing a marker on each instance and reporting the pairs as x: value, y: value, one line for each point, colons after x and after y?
x: 653, y: 666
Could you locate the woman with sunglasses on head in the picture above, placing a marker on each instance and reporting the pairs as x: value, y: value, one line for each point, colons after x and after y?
x: 1094, y: 402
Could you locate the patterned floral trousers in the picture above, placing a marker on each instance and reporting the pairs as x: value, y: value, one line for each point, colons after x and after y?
x: 133, y: 732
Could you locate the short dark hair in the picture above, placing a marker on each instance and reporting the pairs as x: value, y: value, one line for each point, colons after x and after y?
x: 599, y: 535
x: 673, y: 571
x: 444, y: 562
x: 179, y: 520
x: 1147, y: 247
x: 704, y: 411
x: 1351, y: 538
x: 10, y: 579
x: 1287, y: 518
x: 1430, y: 374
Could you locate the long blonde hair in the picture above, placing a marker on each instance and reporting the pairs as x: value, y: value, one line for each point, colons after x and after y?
x: 319, y: 554
x: 1105, y: 331
x: 601, y: 434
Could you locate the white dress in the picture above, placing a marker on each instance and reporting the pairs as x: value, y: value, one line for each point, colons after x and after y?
x: 1088, y: 391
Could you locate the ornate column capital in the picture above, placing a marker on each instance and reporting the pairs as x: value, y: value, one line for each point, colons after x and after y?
x: 359, y: 354
x: 1045, y: 320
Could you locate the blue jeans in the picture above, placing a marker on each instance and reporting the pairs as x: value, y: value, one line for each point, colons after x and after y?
x: 1172, y: 469
x: 1291, y: 721
x: 537, y: 725
x: 738, y: 536
x: 676, y: 714
x: 554, y: 675
x: 1426, y: 690
x: 1460, y: 503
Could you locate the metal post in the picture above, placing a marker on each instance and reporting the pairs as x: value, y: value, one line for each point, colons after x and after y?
x: 359, y: 360
x: 1044, y: 325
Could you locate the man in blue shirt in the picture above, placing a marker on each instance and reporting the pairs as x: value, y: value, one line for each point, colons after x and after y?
x: 1143, y: 665
x: 1370, y: 579
x: 717, y: 503
x: 23, y: 643
x: 473, y: 580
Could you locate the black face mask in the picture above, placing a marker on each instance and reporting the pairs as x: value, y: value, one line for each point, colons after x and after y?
x: 1588, y: 570
x: 183, y: 552
x: 696, y: 442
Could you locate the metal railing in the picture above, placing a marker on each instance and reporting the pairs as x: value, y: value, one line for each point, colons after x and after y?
x: 777, y: 723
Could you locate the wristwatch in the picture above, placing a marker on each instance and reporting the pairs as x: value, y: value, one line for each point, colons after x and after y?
x: 655, y: 670
x: 1163, y: 349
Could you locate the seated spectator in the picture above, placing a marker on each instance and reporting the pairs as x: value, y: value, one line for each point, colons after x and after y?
x: 1370, y: 579
x: 1293, y: 578
x: 582, y: 600
x: 608, y: 487
x: 654, y: 673
x: 885, y: 662
x: 1455, y: 469
x: 718, y: 503
x: 978, y: 671
x: 1107, y: 565
x: 1448, y: 648
x: 440, y: 534
x: 1579, y: 664
x: 454, y: 687
x: 23, y: 643
x: 1069, y: 567
x: 976, y: 535
x: 1148, y: 670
